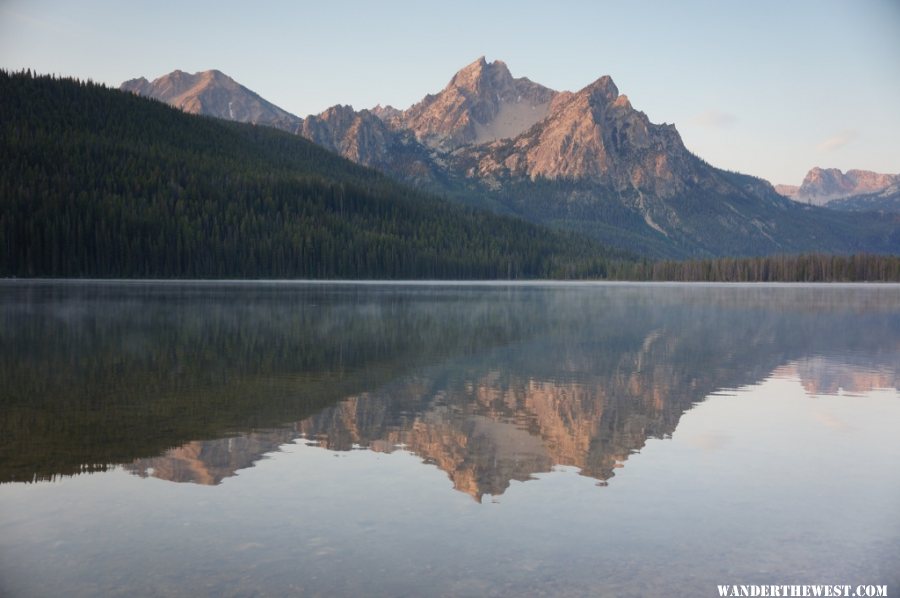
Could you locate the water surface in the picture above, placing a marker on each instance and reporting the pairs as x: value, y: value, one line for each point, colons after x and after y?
x: 374, y: 439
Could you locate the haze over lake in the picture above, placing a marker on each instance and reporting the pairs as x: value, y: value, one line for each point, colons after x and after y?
x: 446, y: 439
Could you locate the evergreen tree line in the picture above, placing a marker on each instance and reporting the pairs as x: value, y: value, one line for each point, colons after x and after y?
x: 780, y: 268
x: 99, y: 183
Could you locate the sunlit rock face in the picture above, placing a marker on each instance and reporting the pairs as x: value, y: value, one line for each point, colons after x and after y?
x: 482, y: 103
x: 594, y: 134
x: 822, y: 185
x: 363, y: 137
x: 213, y: 93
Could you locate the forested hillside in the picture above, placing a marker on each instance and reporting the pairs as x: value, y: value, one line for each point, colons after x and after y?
x: 99, y: 183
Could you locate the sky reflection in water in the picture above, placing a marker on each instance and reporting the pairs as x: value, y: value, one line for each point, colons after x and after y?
x: 743, y: 434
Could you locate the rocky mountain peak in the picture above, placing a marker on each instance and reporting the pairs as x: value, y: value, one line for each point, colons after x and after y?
x: 596, y: 135
x: 821, y: 185
x: 480, y: 104
x: 603, y: 88
x: 137, y: 86
x: 338, y: 113
x: 213, y: 93
x: 483, y: 77
x: 387, y: 113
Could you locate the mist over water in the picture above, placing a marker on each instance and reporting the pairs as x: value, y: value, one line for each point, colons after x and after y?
x: 470, y: 439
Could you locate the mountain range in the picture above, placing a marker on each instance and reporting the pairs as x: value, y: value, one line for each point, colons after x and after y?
x: 586, y: 161
x: 96, y: 182
x: 855, y: 190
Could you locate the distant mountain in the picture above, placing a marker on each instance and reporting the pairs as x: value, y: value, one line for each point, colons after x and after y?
x: 789, y: 191
x: 855, y: 190
x: 586, y: 161
x: 822, y: 185
x: 213, y: 93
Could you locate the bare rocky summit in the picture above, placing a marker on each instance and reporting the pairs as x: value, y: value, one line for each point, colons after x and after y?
x: 482, y: 103
x: 213, y: 93
x: 594, y: 134
x: 851, y: 191
x: 822, y: 185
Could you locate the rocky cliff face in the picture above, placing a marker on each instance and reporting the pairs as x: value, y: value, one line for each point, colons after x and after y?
x: 498, y: 127
x: 822, y: 185
x: 212, y: 93
x: 482, y: 103
x: 595, y: 135
x: 365, y: 139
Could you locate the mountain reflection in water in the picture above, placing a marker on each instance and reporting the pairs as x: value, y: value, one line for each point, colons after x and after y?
x: 487, y: 432
x: 191, y: 383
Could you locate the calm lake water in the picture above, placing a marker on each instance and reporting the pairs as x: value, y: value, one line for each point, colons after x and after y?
x: 209, y: 439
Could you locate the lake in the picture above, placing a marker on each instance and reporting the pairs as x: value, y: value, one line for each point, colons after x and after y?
x: 339, y: 439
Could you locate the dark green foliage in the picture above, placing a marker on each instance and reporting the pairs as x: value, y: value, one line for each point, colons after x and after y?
x: 802, y: 268
x: 100, y: 183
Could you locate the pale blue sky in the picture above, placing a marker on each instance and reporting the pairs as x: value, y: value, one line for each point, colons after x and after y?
x: 770, y: 88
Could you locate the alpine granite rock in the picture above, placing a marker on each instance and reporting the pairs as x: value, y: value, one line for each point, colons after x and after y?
x: 365, y: 139
x: 822, y: 185
x: 213, y: 93
x: 853, y: 190
x: 482, y: 103
x: 593, y: 135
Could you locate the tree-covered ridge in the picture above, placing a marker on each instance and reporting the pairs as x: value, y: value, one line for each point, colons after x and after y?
x: 100, y: 183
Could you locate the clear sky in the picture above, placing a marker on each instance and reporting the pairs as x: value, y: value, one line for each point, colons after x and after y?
x: 770, y: 88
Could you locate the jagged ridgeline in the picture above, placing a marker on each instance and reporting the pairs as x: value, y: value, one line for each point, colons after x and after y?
x: 99, y: 183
